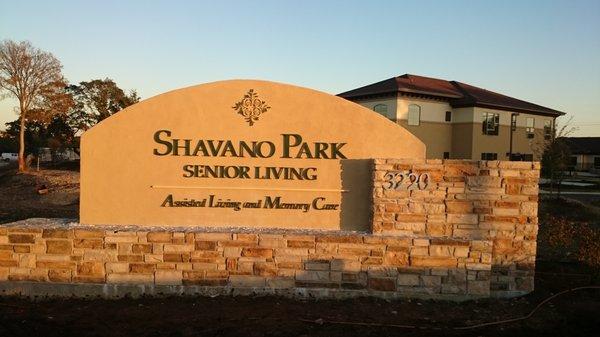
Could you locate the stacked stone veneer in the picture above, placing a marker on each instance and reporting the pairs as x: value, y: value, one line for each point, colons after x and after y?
x: 316, y: 264
x: 469, y: 233
x: 495, y: 201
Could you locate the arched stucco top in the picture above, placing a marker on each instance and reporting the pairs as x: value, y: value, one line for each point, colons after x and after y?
x: 292, y: 109
x: 128, y: 167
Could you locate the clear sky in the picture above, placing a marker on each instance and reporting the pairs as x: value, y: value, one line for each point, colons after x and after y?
x: 546, y: 52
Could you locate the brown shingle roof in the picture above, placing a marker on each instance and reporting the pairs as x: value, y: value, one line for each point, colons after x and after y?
x: 409, y: 84
x: 474, y: 96
x: 457, y: 93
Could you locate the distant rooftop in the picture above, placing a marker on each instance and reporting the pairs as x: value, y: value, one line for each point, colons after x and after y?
x: 583, y: 145
x: 458, y: 94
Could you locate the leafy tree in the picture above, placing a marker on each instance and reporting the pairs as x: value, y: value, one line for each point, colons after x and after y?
x: 59, y: 134
x: 95, y: 101
x: 34, y: 134
x: 8, y: 143
x: 34, y: 77
x: 55, y: 134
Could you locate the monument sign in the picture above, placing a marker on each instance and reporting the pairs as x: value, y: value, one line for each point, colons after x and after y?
x: 168, y: 175
x: 238, y: 154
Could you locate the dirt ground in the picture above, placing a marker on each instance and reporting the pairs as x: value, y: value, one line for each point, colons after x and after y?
x: 572, y: 314
x: 19, y: 197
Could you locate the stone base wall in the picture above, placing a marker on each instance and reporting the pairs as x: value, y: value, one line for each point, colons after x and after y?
x: 449, y: 229
x: 495, y: 201
x: 267, y: 262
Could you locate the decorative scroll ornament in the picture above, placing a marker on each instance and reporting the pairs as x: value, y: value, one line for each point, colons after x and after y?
x: 251, y: 107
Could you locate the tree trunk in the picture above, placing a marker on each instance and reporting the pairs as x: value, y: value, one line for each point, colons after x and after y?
x: 22, y: 166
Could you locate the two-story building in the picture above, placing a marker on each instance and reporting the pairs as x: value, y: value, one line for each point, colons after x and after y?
x: 460, y: 121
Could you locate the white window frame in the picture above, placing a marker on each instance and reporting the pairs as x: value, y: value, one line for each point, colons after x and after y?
x: 381, y: 112
x: 530, y: 129
x: 493, y: 128
x: 410, y: 121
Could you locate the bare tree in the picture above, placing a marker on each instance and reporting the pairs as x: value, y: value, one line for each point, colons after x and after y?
x: 35, y: 79
x: 556, y: 155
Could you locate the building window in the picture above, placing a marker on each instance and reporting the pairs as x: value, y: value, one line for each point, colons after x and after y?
x: 489, y: 156
x: 414, y: 114
x: 447, y: 155
x: 491, y: 122
x: 382, y: 109
x: 521, y: 156
x: 547, y: 130
x: 513, y: 122
x: 572, y: 162
x: 527, y: 157
x: 448, y: 116
x: 530, y: 127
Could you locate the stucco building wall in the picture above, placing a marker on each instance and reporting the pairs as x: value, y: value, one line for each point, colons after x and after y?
x: 437, y: 134
x: 462, y: 137
x: 500, y: 143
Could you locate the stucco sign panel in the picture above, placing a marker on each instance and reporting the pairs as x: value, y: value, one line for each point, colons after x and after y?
x: 237, y: 154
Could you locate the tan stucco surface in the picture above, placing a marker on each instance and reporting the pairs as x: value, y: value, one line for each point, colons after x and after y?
x: 462, y: 141
x: 431, y: 110
x: 437, y: 134
x: 123, y: 182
